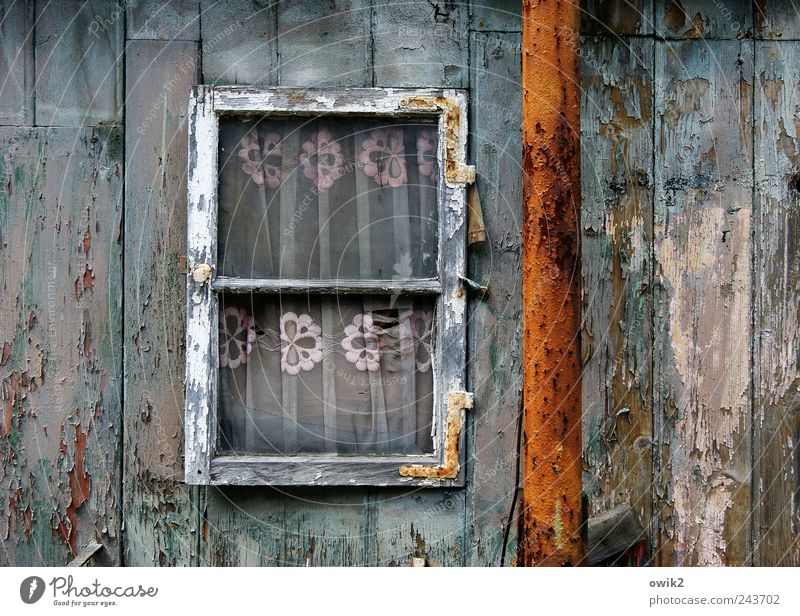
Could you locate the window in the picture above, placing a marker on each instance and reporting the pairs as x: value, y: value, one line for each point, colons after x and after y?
x: 326, y: 312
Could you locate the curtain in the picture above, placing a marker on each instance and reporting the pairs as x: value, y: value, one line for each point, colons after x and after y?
x: 326, y: 199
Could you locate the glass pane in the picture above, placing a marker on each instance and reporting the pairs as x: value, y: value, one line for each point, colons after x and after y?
x: 325, y: 374
x: 327, y: 198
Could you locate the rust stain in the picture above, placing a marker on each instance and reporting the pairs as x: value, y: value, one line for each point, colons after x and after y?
x: 456, y: 402
x: 454, y: 171
x: 552, y: 498
x: 80, y: 485
x: 87, y: 242
x: 88, y: 277
x: 675, y: 18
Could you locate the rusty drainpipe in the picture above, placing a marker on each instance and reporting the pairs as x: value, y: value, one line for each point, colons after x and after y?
x: 552, y: 498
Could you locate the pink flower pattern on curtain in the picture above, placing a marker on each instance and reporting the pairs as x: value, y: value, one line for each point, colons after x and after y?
x: 301, y: 341
x: 382, y: 157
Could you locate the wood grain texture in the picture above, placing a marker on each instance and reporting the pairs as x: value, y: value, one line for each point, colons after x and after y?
x: 776, y: 532
x: 495, y: 333
x: 324, y: 44
x: 495, y: 16
x: 777, y: 19
x: 702, y: 296
x: 159, y: 19
x: 79, y: 51
x: 419, y: 44
x: 16, y: 63
x: 239, y: 39
x: 693, y: 19
x: 616, y: 243
x: 60, y: 215
x: 621, y: 17
x: 159, y: 515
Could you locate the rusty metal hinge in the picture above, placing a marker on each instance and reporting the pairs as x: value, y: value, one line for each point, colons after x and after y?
x: 457, y: 401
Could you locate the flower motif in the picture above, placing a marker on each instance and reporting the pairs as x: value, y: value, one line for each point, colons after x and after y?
x: 322, y: 159
x: 382, y: 156
x: 422, y: 331
x: 301, y: 346
x: 262, y: 165
x: 236, y: 337
x: 426, y: 152
x: 361, y: 343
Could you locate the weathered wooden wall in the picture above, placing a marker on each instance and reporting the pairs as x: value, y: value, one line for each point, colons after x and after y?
x: 93, y: 299
x: 690, y: 269
x: 690, y: 117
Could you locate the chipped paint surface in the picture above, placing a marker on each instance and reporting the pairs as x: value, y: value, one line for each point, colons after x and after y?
x: 703, y: 309
x: 551, y: 307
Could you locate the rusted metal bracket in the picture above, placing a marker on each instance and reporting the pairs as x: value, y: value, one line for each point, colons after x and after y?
x: 457, y: 401
x: 481, y: 290
x: 455, y: 139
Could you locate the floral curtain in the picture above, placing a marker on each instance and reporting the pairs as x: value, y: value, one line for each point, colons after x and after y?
x: 337, y: 200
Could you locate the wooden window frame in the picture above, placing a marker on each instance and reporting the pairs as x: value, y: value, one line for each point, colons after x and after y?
x: 443, y: 468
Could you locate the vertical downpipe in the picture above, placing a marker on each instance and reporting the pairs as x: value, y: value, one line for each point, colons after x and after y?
x: 552, y: 495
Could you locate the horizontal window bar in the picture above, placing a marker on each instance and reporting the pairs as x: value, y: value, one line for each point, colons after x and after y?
x: 348, y: 286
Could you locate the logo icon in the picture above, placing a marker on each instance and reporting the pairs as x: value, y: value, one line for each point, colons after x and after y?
x: 31, y: 589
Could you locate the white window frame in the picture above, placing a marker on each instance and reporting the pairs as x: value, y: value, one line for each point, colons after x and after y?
x: 203, y: 466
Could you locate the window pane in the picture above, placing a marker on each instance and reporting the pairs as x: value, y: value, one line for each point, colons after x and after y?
x: 325, y: 374
x: 327, y: 198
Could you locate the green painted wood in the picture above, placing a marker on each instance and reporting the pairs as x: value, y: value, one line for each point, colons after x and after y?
x: 161, y: 521
x: 419, y: 43
x: 159, y: 19
x: 776, y: 525
x: 324, y: 44
x: 616, y: 244
x: 16, y: 63
x: 702, y: 301
x: 60, y: 244
x: 620, y: 17
x: 239, y: 40
x: 408, y: 524
x: 692, y: 19
x: 495, y: 323
x: 79, y: 47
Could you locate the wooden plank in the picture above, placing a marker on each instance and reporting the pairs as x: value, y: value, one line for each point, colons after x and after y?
x: 777, y: 19
x: 620, y: 17
x: 16, y: 63
x: 60, y: 214
x: 408, y: 524
x: 702, y: 297
x: 495, y: 16
x: 612, y: 532
x: 324, y: 44
x: 159, y: 516
x: 79, y: 46
x: 239, y: 39
x: 260, y: 525
x: 691, y: 19
x: 165, y: 20
x: 495, y: 333
x: 616, y: 242
x: 776, y: 526
x: 420, y: 43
